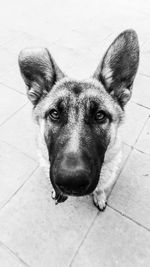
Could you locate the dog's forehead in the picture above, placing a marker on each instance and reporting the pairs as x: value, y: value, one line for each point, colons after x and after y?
x: 81, y: 90
x: 71, y: 94
x: 76, y: 87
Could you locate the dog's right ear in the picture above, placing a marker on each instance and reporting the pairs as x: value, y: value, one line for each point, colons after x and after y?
x: 119, y: 66
x: 39, y: 72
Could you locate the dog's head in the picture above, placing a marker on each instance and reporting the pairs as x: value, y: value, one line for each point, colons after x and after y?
x: 79, y: 119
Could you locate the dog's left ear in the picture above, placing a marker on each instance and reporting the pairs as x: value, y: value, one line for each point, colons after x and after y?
x: 39, y: 71
x: 119, y: 66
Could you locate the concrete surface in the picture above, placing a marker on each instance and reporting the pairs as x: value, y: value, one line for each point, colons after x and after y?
x: 33, y: 231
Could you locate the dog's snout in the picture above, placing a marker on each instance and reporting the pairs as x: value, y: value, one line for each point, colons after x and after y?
x: 73, y: 174
x: 72, y: 162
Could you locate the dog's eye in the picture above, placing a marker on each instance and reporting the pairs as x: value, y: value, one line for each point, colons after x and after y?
x: 100, y: 116
x: 54, y: 115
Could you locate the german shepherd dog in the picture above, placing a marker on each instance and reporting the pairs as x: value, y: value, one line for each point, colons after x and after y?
x: 78, y: 139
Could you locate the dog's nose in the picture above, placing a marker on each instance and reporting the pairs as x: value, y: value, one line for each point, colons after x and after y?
x: 73, y: 174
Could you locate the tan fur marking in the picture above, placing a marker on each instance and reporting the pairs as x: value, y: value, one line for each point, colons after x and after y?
x: 109, y: 171
x: 42, y: 149
x: 73, y: 145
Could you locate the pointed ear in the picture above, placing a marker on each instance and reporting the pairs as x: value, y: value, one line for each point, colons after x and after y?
x: 39, y: 72
x: 119, y: 66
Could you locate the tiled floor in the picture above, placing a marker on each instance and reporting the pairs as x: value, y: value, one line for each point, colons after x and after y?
x: 33, y: 231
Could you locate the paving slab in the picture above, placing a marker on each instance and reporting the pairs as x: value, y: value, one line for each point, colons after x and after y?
x: 7, y: 34
x: 131, y: 194
x: 25, y: 40
x: 20, y: 131
x: 10, y: 102
x: 40, y: 232
x: 143, y: 143
x: 120, y: 17
x: 144, y: 67
x: 73, y: 62
x: 146, y: 46
x: 7, y: 61
x: 15, y: 168
x: 114, y: 241
x: 134, y: 121
x: 13, y: 80
x: 86, y: 37
x: 141, y: 90
x: 7, y: 259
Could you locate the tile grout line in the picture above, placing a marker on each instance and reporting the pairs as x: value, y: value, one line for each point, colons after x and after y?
x: 6, y: 248
x: 129, y: 218
x: 13, y: 114
x: 144, y: 74
x: 99, y: 212
x: 146, y: 120
x: 11, y: 88
x: 8, y: 71
x: 145, y: 153
x: 15, y: 193
x: 20, y: 151
x: 132, y: 147
x: 140, y: 105
x: 84, y: 238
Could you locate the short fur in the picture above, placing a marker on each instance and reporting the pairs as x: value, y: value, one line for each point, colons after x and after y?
x: 79, y: 120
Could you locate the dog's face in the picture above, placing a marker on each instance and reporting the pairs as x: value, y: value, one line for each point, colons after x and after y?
x: 79, y: 120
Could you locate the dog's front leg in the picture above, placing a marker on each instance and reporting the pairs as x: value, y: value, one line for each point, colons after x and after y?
x: 107, y: 179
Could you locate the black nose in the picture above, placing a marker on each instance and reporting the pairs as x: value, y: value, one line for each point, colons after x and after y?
x: 73, y: 174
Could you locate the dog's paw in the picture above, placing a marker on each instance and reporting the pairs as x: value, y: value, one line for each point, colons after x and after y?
x: 58, y: 197
x: 100, y: 200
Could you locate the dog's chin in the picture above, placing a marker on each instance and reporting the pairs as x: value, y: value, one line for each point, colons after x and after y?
x: 73, y: 193
x: 67, y: 193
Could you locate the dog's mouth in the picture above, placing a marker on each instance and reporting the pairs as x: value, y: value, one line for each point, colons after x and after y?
x: 60, y: 193
x: 58, y: 197
x: 72, y: 192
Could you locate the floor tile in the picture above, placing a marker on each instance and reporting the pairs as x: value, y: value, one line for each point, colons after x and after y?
x: 7, y: 35
x: 72, y: 62
x: 9, y: 260
x: 135, y: 118
x: 126, y: 150
x: 141, y: 91
x: 84, y: 37
x: 114, y: 241
x: 144, y: 59
x: 13, y: 80
x: 25, y: 40
x: 23, y: 134
x: 131, y: 194
x: 122, y: 18
x: 15, y: 168
x: 41, y: 233
x: 10, y: 102
x: 78, y: 58
x: 7, y: 61
x: 143, y: 143
x: 146, y: 46
x: 144, y: 67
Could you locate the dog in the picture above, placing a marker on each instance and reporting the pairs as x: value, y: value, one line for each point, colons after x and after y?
x: 78, y: 139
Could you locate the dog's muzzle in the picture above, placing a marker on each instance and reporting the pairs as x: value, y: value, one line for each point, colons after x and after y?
x: 71, y: 174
